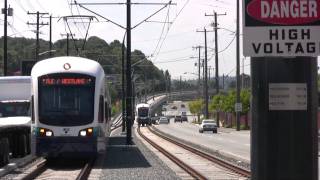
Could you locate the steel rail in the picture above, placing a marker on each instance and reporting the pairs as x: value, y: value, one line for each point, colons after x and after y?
x: 213, y: 159
x: 195, y: 174
x: 117, y: 123
x: 85, y: 171
x: 41, y: 167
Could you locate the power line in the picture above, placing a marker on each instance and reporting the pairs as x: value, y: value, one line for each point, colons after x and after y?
x: 164, y: 25
x: 185, y: 4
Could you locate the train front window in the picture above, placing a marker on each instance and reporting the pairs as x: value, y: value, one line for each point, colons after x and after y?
x: 66, y: 101
x: 143, y: 112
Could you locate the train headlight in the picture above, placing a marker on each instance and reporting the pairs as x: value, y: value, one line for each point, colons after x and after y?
x: 43, y: 132
x: 83, y: 133
x: 88, y: 132
x: 49, y: 133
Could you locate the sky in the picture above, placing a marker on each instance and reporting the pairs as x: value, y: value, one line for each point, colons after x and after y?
x: 167, y: 38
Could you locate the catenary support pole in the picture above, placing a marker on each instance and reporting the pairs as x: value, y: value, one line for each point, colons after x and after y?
x: 50, y: 36
x: 206, y: 98
x: 129, y: 86
x: 5, y: 48
x: 238, y: 66
x: 123, y: 85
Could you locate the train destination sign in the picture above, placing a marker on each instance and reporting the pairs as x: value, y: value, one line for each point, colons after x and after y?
x: 66, y: 81
x: 281, y: 28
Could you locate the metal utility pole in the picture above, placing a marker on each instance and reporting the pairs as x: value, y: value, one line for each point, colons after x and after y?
x: 68, y: 35
x: 199, y: 69
x: 206, y: 75
x: 242, y: 75
x: 37, y: 31
x: 123, y: 85
x: 6, y: 12
x: 50, y: 36
x: 128, y: 75
x: 205, y: 70
x: 5, y: 49
x: 238, y: 66
x: 216, y: 54
x: 222, y: 81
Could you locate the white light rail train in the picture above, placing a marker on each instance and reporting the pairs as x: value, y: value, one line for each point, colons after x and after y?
x: 71, y: 108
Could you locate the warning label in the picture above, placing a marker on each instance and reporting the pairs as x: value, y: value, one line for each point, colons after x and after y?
x: 287, y: 96
x: 281, y: 28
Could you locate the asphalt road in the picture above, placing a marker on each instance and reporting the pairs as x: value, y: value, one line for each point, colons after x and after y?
x: 228, y: 141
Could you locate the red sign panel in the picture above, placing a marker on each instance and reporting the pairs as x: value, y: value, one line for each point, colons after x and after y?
x: 282, y: 12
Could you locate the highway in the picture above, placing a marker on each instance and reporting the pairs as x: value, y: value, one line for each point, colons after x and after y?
x: 227, y: 141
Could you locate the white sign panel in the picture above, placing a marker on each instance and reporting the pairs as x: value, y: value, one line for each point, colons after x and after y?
x: 238, y: 107
x: 287, y: 96
x: 281, y: 28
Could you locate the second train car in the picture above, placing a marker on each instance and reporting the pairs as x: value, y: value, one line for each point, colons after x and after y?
x: 70, y: 107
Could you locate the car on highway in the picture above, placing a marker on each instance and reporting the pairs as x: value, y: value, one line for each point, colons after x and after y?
x: 177, y: 118
x: 208, y: 125
x: 184, y: 116
x: 164, y: 120
x: 183, y: 106
x: 154, y: 119
x: 174, y: 107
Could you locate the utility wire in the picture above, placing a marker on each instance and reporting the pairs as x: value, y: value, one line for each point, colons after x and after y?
x: 163, y: 27
x: 185, y: 4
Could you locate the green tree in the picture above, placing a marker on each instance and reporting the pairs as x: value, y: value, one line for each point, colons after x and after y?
x: 196, y: 107
x: 229, y: 101
x: 217, y: 103
x: 245, y: 100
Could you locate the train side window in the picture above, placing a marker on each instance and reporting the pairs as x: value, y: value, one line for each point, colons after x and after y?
x: 101, y: 113
x: 106, y: 107
x: 32, y: 109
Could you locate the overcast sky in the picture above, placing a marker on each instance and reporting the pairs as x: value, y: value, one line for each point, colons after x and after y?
x: 169, y: 45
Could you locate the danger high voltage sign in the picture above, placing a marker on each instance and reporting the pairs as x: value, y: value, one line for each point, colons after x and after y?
x: 281, y: 28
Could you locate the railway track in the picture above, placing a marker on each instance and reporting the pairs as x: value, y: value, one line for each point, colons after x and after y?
x: 189, y: 165
x: 54, y: 170
x: 117, y: 123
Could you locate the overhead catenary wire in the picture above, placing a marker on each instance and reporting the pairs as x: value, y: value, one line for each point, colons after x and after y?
x: 185, y: 4
x: 163, y: 27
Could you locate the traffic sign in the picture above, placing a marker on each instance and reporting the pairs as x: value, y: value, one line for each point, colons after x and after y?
x: 238, y: 107
x: 281, y: 28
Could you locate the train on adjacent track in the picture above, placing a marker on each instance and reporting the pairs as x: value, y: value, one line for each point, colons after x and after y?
x: 71, y: 108
x: 143, y: 114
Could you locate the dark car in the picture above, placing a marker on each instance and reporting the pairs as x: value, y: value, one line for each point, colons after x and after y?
x: 184, y: 116
x: 174, y: 107
x: 177, y: 118
x: 183, y: 106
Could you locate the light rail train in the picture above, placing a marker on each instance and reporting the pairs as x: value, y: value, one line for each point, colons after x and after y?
x: 143, y: 114
x: 71, y: 107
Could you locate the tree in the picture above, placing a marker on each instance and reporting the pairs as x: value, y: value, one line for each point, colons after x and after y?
x: 217, y: 103
x: 196, y: 107
x: 245, y: 100
x: 229, y: 101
